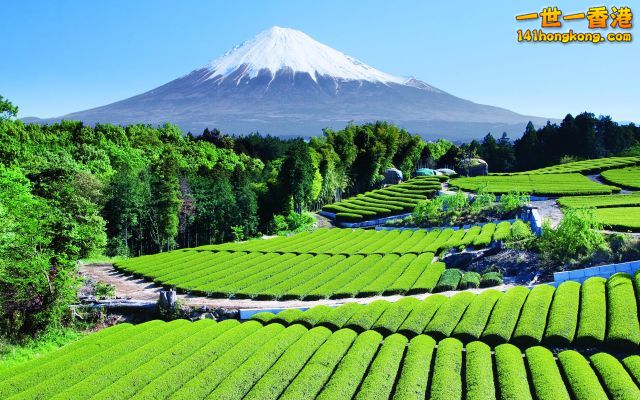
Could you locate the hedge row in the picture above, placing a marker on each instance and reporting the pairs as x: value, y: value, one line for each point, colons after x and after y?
x: 232, y: 360
x: 595, y: 313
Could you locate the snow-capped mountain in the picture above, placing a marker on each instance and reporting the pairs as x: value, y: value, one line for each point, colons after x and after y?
x: 283, y: 82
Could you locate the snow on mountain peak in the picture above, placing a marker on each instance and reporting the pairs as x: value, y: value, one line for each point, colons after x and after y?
x: 278, y: 48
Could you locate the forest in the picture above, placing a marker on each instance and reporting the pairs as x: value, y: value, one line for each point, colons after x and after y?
x: 70, y: 191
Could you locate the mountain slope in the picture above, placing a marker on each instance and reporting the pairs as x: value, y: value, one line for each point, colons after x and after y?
x: 285, y: 83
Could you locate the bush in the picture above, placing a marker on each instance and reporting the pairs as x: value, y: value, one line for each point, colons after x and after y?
x: 520, y: 231
x: 377, y: 383
x: 619, y: 384
x: 316, y: 373
x: 490, y: 279
x: 505, y: 316
x: 592, y: 324
x: 449, y: 280
x: 278, y: 376
x: 563, y: 316
x: 412, y: 382
x: 533, y: 319
x: 448, y: 315
x: 583, y: 381
x: 428, y: 210
x: 421, y: 315
x: 103, y: 291
x: 577, y: 236
x: 479, y: 374
x: 447, y: 379
x: 394, y: 315
x: 336, y: 318
x: 512, y: 201
x: 469, y: 280
x: 623, y: 330
x: 503, y: 229
x: 512, y: 375
x: 348, y: 375
x: 475, y: 317
x: 485, y: 237
x: 364, y: 319
x: 545, y: 375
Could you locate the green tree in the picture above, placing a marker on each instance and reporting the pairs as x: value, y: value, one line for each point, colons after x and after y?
x: 7, y: 109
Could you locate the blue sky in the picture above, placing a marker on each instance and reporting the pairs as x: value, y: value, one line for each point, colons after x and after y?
x: 65, y: 56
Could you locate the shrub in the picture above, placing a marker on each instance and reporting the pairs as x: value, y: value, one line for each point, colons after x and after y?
x: 505, y: 316
x: 485, y: 237
x: 616, y: 380
x: 278, y: 376
x: 310, y: 317
x: 449, y: 280
x: 380, y: 377
x: 520, y: 231
x: 316, y: 373
x: 363, y: 319
x: 563, y: 316
x: 336, y: 318
x: 476, y: 316
x: 347, y: 376
x: 287, y: 316
x: 103, y: 291
x: 545, y: 375
x: 479, y: 374
x: 511, y: 373
x: 576, y: 236
x: 394, y: 315
x: 490, y: 279
x: 264, y: 317
x: 503, y: 229
x: 412, y: 382
x: 583, y: 381
x: 632, y: 363
x: 212, y: 363
x: 469, y: 280
x: 428, y: 279
x: 447, y: 380
x: 623, y: 329
x: 512, y: 201
x: 448, y: 315
x: 533, y: 319
x: 421, y: 315
x: 592, y: 324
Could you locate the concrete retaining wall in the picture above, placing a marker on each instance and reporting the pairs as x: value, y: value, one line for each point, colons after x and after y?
x: 605, y: 271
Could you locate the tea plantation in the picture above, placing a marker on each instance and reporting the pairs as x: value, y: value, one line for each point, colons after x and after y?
x: 561, y: 184
x: 388, y: 201
x: 233, y: 360
x: 626, y: 177
x: 598, y: 312
x: 321, y: 264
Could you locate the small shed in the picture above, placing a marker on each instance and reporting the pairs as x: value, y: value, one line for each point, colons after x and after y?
x: 392, y: 176
x: 425, y: 172
x: 474, y: 167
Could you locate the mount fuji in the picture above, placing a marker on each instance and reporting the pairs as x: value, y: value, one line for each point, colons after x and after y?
x: 285, y: 83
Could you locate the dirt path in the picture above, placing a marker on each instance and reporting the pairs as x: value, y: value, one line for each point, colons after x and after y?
x: 549, y: 210
x: 322, y: 221
x: 128, y: 287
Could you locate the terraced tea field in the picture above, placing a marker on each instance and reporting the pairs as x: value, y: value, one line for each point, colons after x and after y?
x: 614, y: 200
x: 626, y: 177
x: 598, y: 312
x: 536, y: 184
x: 385, y: 202
x: 583, y: 167
x: 620, y: 218
x: 232, y: 360
x: 325, y: 263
